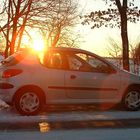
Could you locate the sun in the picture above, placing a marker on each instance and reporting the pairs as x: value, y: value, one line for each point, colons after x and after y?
x: 38, y: 44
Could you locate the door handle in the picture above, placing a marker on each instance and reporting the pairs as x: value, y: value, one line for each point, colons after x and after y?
x: 72, y: 76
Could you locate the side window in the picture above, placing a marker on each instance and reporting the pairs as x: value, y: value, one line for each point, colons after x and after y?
x: 74, y: 64
x: 77, y: 63
x: 98, y: 65
x: 54, y: 60
x: 82, y: 56
x: 95, y: 64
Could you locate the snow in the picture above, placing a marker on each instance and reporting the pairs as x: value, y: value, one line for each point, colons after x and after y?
x: 85, y: 134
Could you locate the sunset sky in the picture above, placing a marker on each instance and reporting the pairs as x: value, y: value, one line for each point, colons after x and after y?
x: 96, y: 40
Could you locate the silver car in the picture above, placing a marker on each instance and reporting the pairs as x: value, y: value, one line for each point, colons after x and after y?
x: 65, y: 76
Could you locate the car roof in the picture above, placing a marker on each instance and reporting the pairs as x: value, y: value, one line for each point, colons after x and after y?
x: 66, y: 49
x: 70, y: 50
x: 63, y: 49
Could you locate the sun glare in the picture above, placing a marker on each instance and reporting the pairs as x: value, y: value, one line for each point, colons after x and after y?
x: 38, y: 44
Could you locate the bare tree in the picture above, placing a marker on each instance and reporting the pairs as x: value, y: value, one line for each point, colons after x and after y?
x: 15, y: 12
x: 114, y: 48
x: 52, y: 17
x: 60, y: 21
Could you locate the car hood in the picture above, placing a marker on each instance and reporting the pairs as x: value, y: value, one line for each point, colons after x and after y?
x: 129, y: 77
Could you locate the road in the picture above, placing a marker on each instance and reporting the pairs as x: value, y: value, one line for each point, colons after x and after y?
x: 82, y: 134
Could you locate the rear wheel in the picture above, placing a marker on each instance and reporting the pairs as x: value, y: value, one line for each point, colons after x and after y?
x: 28, y: 101
x: 131, y: 99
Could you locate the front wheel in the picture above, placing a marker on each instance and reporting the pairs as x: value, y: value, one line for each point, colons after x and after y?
x: 28, y: 102
x: 131, y: 99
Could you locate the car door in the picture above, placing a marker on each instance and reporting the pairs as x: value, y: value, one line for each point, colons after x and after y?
x: 53, y: 79
x: 90, y: 78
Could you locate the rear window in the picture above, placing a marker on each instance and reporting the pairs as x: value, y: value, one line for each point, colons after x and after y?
x: 15, y: 58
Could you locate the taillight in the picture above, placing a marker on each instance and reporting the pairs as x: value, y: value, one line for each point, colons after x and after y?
x: 11, y: 72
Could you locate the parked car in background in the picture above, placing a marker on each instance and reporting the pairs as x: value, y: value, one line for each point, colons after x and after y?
x: 65, y: 76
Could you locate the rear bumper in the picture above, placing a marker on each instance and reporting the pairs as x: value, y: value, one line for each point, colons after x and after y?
x: 6, y: 91
x: 6, y: 95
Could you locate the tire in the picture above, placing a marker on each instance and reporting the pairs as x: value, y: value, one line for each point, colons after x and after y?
x: 27, y: 101
x: 131, y: 99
